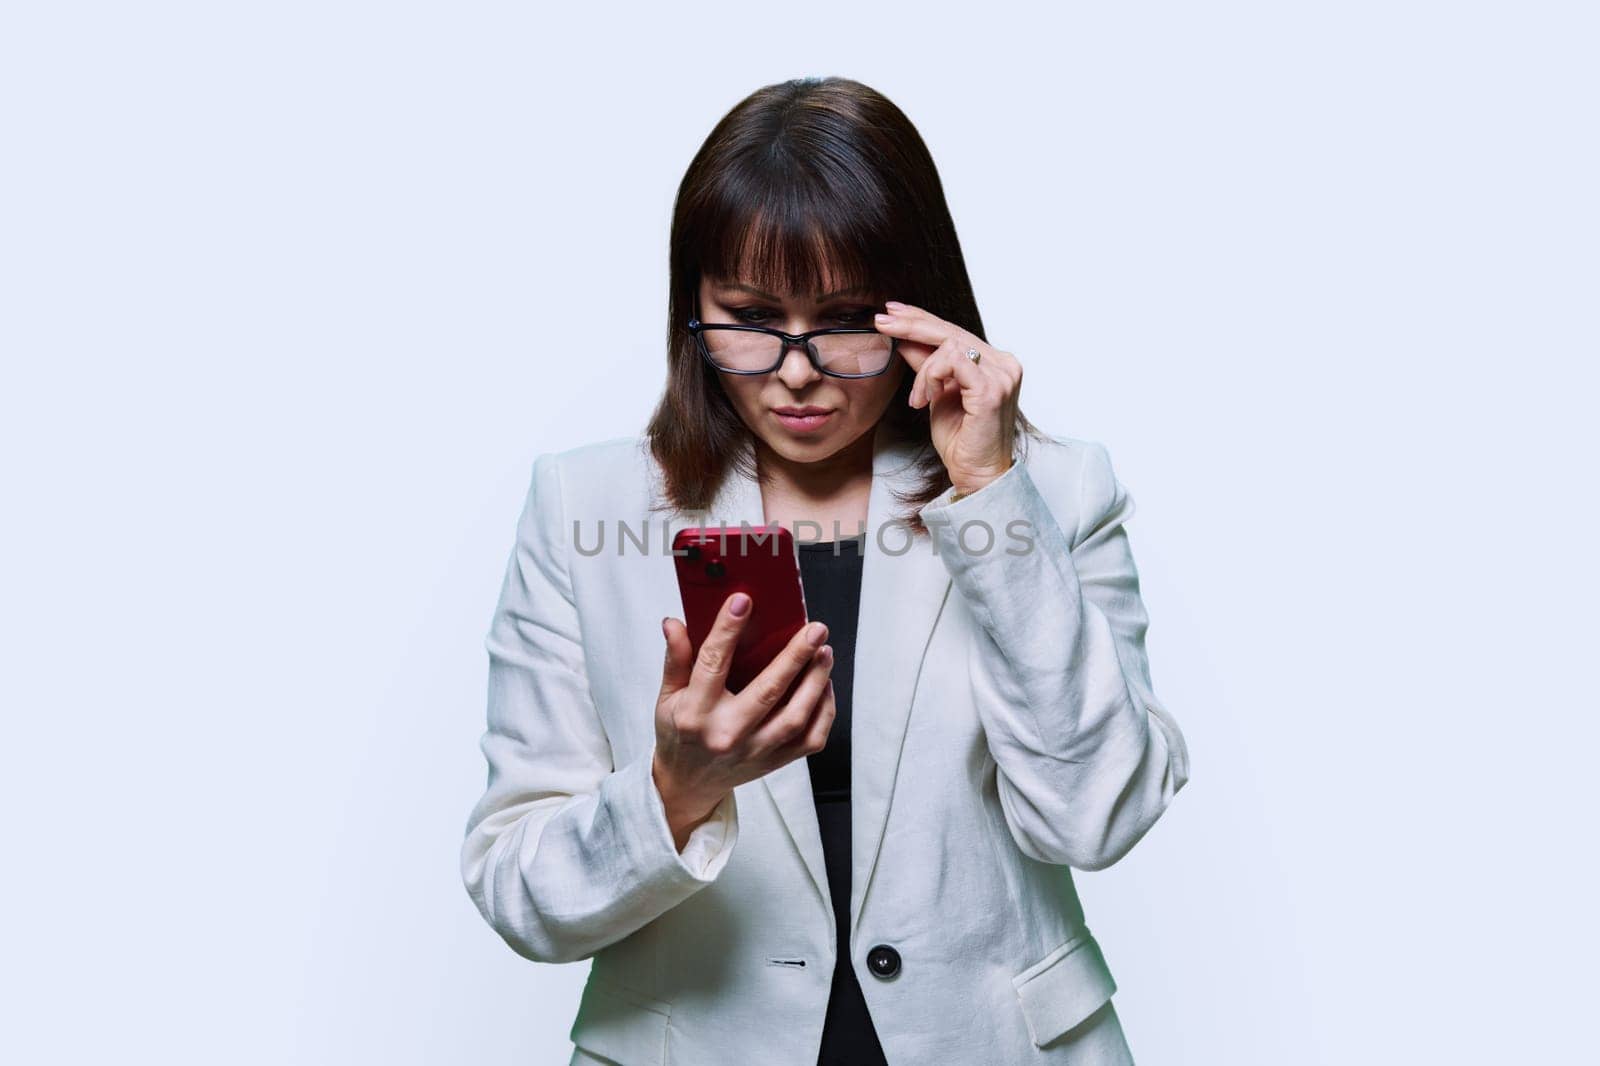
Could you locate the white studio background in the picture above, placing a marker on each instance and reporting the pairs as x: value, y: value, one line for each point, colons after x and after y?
x: 292, y: 294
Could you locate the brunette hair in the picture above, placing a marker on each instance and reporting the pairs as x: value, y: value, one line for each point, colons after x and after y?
x: 803, y: 182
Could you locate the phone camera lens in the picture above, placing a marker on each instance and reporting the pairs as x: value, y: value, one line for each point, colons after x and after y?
x: 715, y: 569
x: 692, y: 552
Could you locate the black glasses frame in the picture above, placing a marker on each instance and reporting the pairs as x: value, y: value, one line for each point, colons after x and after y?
x: 698, y: 330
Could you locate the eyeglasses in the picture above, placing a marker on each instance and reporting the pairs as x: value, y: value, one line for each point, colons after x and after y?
x: 745, y: 349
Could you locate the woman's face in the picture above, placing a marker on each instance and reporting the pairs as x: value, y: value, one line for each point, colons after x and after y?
x: 852, y: 405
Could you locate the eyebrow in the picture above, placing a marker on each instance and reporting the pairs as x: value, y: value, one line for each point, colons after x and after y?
x: 768, y: 296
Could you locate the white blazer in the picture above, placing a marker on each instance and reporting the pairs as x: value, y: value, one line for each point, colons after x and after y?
x: 1004, y: 730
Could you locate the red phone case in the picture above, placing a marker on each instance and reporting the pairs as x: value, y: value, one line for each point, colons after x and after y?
x: 714, y: 562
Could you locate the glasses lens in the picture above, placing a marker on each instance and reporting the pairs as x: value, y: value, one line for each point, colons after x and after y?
x: 839, y: 353
x: 737, y: 349
x: 853, y: 353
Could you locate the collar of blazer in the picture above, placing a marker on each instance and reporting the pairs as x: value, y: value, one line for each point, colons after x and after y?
x: 903, y: 588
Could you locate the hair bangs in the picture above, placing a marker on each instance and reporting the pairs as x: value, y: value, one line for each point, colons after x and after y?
x: 800, y: 241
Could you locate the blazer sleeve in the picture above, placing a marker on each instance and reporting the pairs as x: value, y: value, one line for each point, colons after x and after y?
x: 1086, y: 757
x: 565, y: 853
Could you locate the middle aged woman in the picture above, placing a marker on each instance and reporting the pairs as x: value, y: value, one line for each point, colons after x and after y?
x: 877, y: 868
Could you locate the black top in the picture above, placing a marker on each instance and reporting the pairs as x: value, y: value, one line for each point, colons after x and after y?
x: 830, y: 572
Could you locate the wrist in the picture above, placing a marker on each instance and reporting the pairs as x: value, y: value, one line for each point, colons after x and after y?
x: 967, y: 485
x: 684, y: 812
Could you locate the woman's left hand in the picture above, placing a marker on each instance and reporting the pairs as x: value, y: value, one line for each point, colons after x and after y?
x: 974, y: 405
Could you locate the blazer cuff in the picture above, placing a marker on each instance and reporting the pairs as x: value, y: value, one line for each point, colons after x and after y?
x: 710, y: 843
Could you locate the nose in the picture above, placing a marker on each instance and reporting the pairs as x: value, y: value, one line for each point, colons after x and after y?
x: 796, y: 370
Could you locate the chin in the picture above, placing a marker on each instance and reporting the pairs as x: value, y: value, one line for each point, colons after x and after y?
x: 813, y: 448
x: 808, y: 449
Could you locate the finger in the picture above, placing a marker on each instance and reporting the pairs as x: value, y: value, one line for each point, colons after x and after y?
x: 679, y: 666
x: 947, y: 370
x: 915, y: 324
x: 920, y: 388
x: 913, y: 353
x: 815, y: 736
x: 918, y: 395
x: 982, y: 380
x: 772, y: 684
x: 710, y: 675
x: 781, y: 729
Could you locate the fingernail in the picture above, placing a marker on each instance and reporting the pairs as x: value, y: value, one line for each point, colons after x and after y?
x: 893, y: 303
x: 881, y: 317
x: 825, y: 654
x: 740, y: 605
x: 816, y: 634
x: 664, y: 631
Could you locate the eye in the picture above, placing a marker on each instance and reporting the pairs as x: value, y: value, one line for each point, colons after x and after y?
x: 857, y: 317
x: 844, y: 318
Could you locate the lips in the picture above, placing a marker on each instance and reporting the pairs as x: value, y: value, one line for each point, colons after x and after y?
x: 803, y: 419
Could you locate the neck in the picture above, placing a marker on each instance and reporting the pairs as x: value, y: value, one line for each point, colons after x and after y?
x: 817, y: 480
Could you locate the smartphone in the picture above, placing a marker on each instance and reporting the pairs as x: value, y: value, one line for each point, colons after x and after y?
x: 714, y: 562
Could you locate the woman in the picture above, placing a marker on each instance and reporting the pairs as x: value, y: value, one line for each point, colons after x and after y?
x: 876, y: 869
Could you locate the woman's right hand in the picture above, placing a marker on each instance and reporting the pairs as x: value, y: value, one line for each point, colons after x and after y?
x: 709, y: 739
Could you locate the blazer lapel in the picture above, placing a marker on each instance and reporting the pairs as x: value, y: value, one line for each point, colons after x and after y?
x: 903, y: 585
x: 903, y: 588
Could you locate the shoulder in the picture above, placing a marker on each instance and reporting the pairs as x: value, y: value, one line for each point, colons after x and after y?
x: 595, y: 474
x: 1060, y: 462
x: 1075, y: 476
x: 612, y: 455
